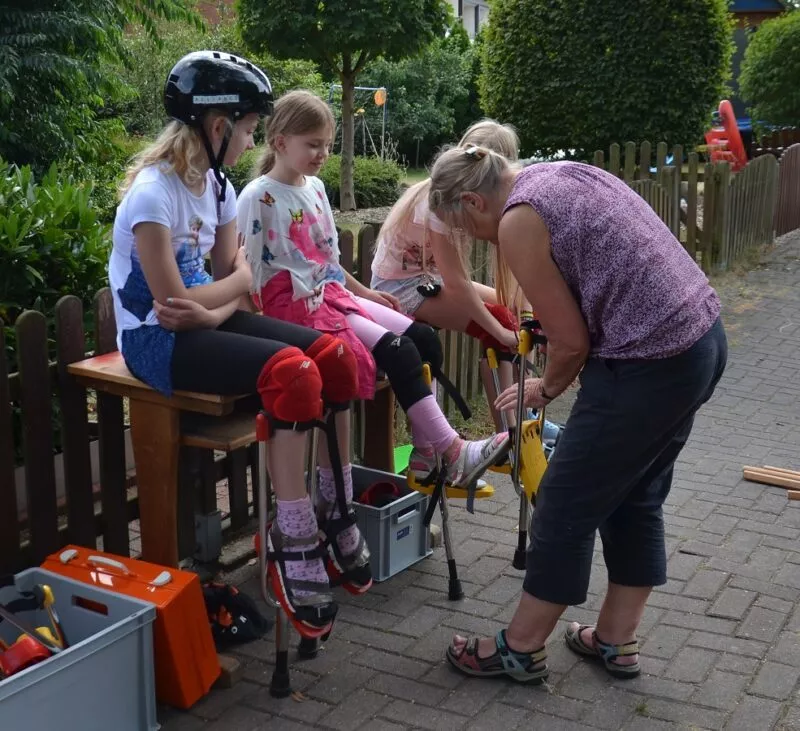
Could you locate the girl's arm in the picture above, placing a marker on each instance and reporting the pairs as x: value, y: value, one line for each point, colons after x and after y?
x: 161, y: 271
x: 223, y: 253
x: 360, y: 290
x: 525, y: 244
x: 460, y: 287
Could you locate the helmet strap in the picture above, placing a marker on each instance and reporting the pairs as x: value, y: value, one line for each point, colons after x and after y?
x: 216, y: 160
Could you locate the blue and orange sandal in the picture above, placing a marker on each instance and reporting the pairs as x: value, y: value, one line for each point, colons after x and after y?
x: 313, y: 613
x: 524, y: 667
x: 602, y: 651
x: 352, y: 570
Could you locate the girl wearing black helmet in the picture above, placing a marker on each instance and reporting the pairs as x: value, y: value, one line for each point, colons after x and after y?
x: 180, y: 328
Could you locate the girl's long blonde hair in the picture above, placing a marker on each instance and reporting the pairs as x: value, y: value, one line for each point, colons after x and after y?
x: 178, y: 147
x: 502, y: 139
x: 297, y: 113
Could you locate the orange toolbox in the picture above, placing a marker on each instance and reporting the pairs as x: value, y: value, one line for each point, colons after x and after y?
x: 185, y: 656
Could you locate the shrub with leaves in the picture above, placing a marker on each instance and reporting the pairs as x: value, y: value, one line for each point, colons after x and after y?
x: 770, y: 76
x: 53, y: 81
x: 580, y: 74
x: 51, y: 244
x: 376, y: 181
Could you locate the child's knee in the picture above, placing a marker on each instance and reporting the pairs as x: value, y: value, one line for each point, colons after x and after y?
x: 290, y: 387
x: 427, y: 344
x: 338, y: 369
x: 399, y: 359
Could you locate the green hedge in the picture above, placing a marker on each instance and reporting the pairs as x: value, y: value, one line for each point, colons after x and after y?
x: 581, y: 74
x: 770, y: 79
x: 376, y: 181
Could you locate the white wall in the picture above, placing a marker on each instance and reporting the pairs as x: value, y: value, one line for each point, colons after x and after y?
x: 468, y: 13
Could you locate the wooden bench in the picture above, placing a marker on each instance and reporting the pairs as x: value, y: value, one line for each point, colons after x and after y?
x: 160, y: 425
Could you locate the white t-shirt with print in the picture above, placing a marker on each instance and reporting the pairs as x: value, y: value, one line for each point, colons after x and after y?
x: 159, y: 196
x: 290, y: 228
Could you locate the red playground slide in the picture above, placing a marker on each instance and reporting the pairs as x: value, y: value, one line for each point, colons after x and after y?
x: 724, y: 143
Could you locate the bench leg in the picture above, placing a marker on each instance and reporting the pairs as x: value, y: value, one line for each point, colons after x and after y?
x: 379, y: 431
x: 155, y: 434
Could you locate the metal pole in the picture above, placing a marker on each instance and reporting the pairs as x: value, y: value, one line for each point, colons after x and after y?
x: 383, y: 125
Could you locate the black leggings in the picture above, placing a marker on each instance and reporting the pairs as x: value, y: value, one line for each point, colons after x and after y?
x: 228, y: 361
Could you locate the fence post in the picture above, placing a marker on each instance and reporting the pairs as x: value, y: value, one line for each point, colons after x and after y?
x: 719, y: 250
x: 599, y: 160
x: 691, y: 206
x: 613, y: 159
x: 630, y: 162
x: 37, y: 433
x: 709, y: 200
x: 346, y: 250
x: 644, y: 161
x: 9, y: 518
x: 366, y: 253
x: 111, y: 425
x: 71, y: 347
x: 661, y: 156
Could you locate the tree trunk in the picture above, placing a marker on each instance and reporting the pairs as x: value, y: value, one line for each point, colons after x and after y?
x: 347, y: 198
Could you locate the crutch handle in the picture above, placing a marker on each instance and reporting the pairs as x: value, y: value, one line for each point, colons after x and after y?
x: 491, y: 358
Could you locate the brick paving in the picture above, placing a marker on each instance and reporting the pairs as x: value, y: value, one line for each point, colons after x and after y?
x: 720, y: 642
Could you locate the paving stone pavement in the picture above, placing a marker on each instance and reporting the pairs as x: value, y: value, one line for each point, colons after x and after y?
x: 721, y: 641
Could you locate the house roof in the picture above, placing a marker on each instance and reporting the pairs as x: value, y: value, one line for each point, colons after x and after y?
x: 757, y: 6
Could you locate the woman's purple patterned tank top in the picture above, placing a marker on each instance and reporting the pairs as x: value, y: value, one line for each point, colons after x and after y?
x: 640, y: 292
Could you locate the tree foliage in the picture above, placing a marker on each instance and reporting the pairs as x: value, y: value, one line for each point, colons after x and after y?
x: 577, y: 75
x: 51, y: 84
x: 142, y: 106
x: 428, y: 95
x: 343, y: 36
x: 770, y: 76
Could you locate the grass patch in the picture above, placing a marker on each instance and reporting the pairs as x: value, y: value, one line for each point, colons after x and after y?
x: 414, y: 175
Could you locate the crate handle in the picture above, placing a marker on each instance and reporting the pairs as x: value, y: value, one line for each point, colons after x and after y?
x: 90, y: 605
x: 407, y: 513
x: 104, y: 562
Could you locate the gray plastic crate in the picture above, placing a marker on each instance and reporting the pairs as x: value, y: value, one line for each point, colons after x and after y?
x: 104, y: 680
x: 394, y: 533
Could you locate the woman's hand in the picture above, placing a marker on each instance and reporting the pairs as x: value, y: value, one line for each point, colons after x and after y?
x: 532, y: 399
x: 381, y: 298
x: 182, y: 314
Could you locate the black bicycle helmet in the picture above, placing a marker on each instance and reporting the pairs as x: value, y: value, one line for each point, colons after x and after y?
x: 206, y: 80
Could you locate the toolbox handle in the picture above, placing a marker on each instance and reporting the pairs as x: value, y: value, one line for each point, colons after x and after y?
x: 109, y: 563
x: 407, y: 514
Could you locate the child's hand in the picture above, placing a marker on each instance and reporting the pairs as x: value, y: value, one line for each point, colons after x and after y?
x: 242, y: 270
x: 182, y: 314
x: 382, y: 298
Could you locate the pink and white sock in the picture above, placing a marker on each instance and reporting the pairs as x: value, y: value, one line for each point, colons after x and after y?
x: 296, y: 519
x: 347, y: 539
x: 428, y: 421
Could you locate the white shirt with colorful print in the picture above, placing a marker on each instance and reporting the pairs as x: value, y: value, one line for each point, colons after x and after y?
x: 290, y: 228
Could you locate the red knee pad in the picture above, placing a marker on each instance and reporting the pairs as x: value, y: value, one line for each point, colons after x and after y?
x: 338, y: 367
x: 500, y: 313
x: 291, y: 388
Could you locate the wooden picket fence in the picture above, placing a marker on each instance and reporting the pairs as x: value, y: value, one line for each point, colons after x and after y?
x: 787, y: 213
x: 717, y: 216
